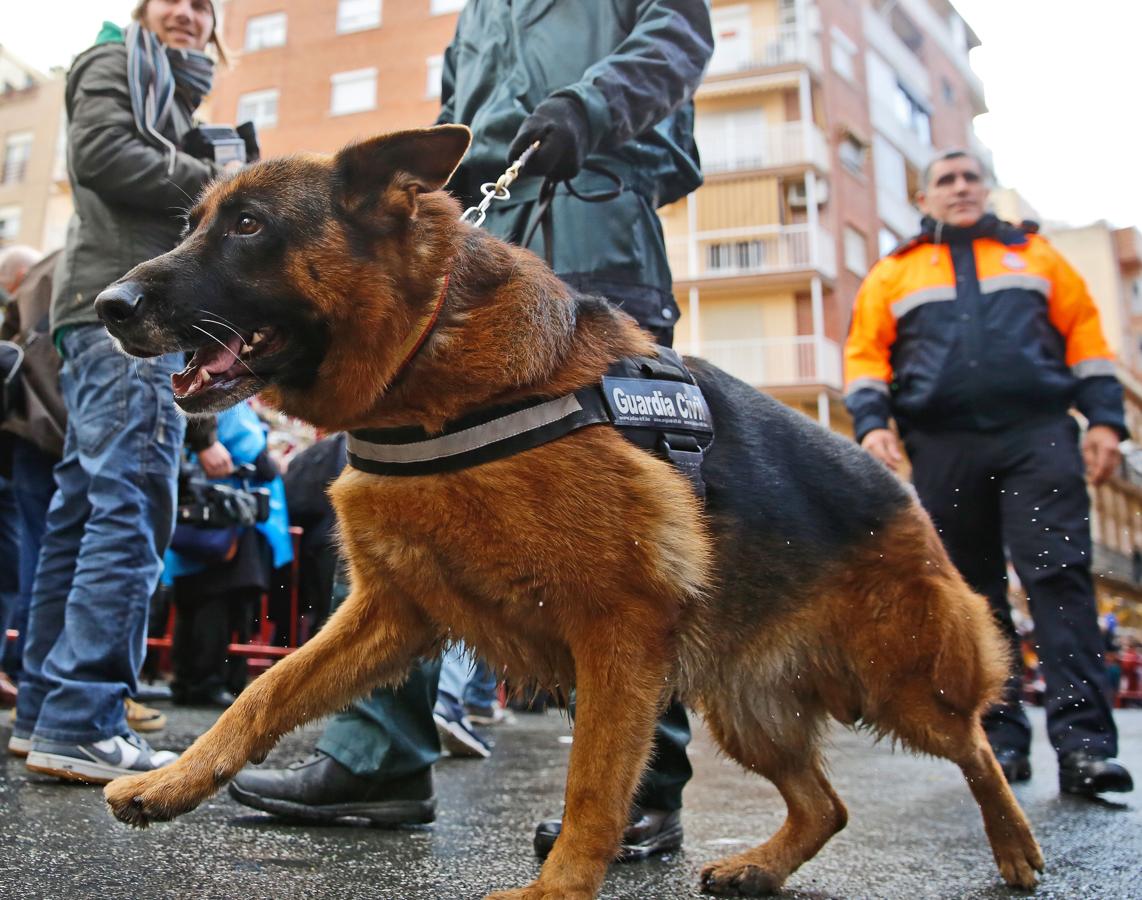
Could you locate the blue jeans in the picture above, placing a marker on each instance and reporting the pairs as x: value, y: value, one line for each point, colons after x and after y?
x: 33, y: 485
x: 9, y: 564
x: 467, y: 682
x: 108, y: 526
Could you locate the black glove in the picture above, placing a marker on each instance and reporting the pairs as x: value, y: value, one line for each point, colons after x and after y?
x: 560, y: 126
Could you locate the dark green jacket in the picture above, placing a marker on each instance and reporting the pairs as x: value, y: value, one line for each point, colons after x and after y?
x: 128, y: 206
x: 634, y: 65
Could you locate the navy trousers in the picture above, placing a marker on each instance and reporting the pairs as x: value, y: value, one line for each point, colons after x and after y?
x: 1025, y: 489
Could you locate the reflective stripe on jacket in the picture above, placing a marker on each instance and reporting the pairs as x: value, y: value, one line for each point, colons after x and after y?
x: 986, y: 328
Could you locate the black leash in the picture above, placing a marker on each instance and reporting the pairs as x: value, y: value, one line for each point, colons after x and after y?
x: 543, y: 217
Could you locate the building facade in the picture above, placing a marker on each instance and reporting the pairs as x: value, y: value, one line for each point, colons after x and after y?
x: 35, y: 198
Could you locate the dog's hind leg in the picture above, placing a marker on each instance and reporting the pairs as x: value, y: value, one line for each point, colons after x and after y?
x: 930, y: 660
x: 787, y: 755
x: 924, y: 722
x: 368, y: 640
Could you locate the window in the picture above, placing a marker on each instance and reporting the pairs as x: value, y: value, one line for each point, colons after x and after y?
x: 357, y: 15
x: 259, y: 107
x: 856, y: 252
x: 435, y: 74
x: 731, y: 39
x: 886, y: 241
x: 891, y: 174
x: 853, y: 153
x: 9, y: 224
x: 440, y: 7
x: 265, y: 31
x: 733, y: 140
x: 948, y: 91
x: 354, y: 91
x: 17, y: 152
x: 842, y: 53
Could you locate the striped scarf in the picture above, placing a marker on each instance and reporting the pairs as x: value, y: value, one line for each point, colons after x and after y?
x: 154, y: 73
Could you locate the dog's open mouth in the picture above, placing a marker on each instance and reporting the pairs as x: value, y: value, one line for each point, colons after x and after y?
x: 221, y: 366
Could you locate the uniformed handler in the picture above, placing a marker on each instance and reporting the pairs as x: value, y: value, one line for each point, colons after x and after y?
x: 978, y: 338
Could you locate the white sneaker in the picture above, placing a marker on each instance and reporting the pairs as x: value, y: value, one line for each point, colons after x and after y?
x: 98, y: 762
x: 19, y: 745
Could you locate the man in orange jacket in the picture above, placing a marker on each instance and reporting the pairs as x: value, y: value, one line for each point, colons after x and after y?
x: 977, y: 337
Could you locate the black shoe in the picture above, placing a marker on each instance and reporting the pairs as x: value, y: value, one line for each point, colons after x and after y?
x: 320, y: 789
x: 650, y: 831
x: 219, y: 698
x: 1016, y: 765
x: 1088, y: 774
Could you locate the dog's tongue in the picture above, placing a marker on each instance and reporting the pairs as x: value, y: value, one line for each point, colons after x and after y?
x: 206, y: 363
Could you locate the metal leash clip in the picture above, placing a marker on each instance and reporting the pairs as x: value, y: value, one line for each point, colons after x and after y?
x: 497, y: 190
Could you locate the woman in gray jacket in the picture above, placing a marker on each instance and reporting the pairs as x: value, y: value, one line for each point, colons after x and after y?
x: 130, y: 100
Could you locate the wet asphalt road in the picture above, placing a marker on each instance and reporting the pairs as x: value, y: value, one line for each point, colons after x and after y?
x: 913, y: 831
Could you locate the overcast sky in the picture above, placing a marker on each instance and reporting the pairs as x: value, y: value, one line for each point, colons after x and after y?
x: 1062, y: 80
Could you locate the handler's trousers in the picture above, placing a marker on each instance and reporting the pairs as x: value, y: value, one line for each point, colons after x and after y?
x: 391, y: 734
x: 1025, y: 489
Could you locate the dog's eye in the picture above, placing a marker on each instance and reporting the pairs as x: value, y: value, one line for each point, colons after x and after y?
x: 247, y: 225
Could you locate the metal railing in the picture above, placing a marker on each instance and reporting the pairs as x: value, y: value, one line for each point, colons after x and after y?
x: 776, y: 362
x: 781, y: 46
x: 737, y: 145
x: 758, y: 250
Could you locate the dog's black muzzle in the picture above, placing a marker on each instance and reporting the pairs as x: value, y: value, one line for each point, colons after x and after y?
x: 119, y: 305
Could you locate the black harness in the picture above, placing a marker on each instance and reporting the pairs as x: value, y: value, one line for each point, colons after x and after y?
x: 653, y: 401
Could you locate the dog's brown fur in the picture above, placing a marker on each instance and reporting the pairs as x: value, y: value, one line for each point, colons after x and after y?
x: 585, y: 561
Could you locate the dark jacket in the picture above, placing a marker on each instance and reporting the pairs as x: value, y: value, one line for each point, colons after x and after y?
x: 977, y: 329
x: 40, y: 416
x: 128, y: 206
x: 634, y: 65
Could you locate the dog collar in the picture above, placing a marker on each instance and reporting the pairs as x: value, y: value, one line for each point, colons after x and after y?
x: 416, y: 340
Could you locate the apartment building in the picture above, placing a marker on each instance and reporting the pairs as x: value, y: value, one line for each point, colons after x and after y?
x: 815, y: 121
x: 315, y: 74
x: 35, y: 199
x: 1110, y: 261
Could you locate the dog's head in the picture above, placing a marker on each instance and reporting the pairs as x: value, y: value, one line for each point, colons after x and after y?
x: 289, y: 258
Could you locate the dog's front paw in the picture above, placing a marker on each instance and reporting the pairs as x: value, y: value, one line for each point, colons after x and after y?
x: 739, y: 877
x: 156, y: 796
x: 1020, y: 863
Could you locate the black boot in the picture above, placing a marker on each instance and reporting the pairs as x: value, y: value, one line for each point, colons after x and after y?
x: 320, y: 789
x: 1016, y: 765
x: 1087, y: 774
x: 650, y: 831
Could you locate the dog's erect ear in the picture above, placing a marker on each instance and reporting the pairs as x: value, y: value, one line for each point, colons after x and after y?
x: 410, y: 161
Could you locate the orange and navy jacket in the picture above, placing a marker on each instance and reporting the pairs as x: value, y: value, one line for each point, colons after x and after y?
x: 977, y: 329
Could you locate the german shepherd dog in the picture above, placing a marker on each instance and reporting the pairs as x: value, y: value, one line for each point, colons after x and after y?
x: 809, y: 584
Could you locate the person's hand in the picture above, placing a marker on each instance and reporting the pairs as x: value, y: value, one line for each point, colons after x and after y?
x: 1101, y: 453
x: 233, y: 166
x: 560, y: 126
x: 882, y: 444
x: 215, y: 461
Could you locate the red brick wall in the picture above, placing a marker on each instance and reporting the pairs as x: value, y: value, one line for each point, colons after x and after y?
x: 314, y: 51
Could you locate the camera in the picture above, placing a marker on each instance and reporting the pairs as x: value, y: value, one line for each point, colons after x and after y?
x: 223, y: 143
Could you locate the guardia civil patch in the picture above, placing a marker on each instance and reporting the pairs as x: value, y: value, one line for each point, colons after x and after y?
x: 650, y: 403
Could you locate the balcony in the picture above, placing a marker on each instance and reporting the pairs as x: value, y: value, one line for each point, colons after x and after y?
x: 772, y: 48
x: 751, y: 251
x: 776, y: 362
x: 731, y: 145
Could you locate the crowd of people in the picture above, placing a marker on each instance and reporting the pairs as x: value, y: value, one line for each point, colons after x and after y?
x: 970, y: 343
